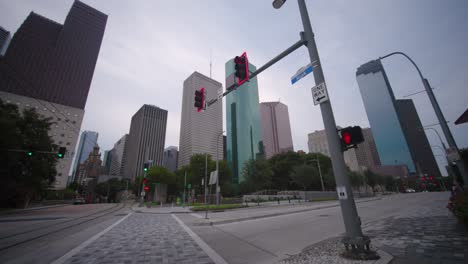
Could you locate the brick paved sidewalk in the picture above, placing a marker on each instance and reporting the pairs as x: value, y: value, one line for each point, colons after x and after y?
x: 143, y: 238
x: 429, y: 235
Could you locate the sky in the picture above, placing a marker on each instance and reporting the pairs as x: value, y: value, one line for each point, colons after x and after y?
x: 151, y: 47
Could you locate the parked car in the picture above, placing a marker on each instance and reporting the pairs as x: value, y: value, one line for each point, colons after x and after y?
x: 410, y: 190
x: 79, y: 200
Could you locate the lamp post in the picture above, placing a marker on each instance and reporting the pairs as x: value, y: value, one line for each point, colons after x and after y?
x: 354, y: 237
x: 440, y: 116
x: 217, y: 167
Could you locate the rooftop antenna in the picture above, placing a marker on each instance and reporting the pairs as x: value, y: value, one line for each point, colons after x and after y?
x: 210, y: 63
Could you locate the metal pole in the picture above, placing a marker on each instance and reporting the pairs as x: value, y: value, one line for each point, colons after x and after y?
x: 320, y: 173
x: 185, y: 184
x: 217, y: 169
x: 206, y: 171
x: 352, y: 222
x: 438, y: 135
x: 440, y: 116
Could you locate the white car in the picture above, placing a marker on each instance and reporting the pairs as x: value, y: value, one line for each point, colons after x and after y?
x: 410, y: 190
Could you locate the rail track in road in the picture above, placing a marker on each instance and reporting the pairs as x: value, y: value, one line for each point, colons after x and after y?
x: 20, y: 238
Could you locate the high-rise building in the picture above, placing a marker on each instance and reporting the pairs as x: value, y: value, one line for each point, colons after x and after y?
x: 119, y: 157
x: 5, y: 38
x: 276, y: 129
x: 53, y: 62
x: 106, y: 162
x: 146, y: 139
x: 366, y: 152
x: 170, y: 158
x: 318, y: 143
x: 244, y: 134
x: 88, y: 140
x: 49, y: 66
x: 395, y: 124
x: 199, y: 130
x: 91, y: 167
x: 419, y: 146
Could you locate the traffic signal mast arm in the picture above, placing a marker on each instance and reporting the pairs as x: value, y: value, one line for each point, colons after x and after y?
x: 283, y: 54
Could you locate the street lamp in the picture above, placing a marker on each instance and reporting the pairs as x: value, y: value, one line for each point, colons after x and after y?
x: 354, y: 237
x: 217, y: 167
x: 440, y: 116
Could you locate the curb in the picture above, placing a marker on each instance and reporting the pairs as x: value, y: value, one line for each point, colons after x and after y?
x: 385, y: 257
x: 210, y: 223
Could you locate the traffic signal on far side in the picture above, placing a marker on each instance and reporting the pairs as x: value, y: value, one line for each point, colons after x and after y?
x: 61, y: 152
x: 145, y: 167
x: 200, y: 99
x: 146, y: 188
x: 350, y: 137
x: 241, y: 68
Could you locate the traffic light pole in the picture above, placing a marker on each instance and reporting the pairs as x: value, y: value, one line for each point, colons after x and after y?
x: 354, y: 236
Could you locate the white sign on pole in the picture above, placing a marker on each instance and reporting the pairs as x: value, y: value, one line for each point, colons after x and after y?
x: 319, y: 93
x: 143, y: 194
x: 341, y: 190
x: 213, y: 177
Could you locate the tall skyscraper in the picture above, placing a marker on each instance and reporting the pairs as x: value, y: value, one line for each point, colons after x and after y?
x: 199, y: 130
x: 379, y: 102
x: 146, y: 139
x: 244, y: 134
x: 276, y: 129
x: 88, y: 140
x: 395, y: 124
x: 170, y: 158
x: 119, y: 157
x: 418, y: 143
x: 5, y: 38
x: 49, y: 66
x: 106, y: 162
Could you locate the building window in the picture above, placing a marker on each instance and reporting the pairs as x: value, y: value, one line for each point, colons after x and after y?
x: 62, y: 135
x: 60, y: 142
x: 68, y: 143
x: 45, y: 109
x: 68, y: 113
x: 60, y: 174
x: 76, y: 115
x: 73, y: 122
x: 59, y: 119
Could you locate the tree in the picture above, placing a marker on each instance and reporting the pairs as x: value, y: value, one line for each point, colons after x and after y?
x: 110, y: 188
x: 282, y: 166
x: 257, y: 175
x: 305, y: 176
x: 356, y: 179
x: 24, y: 176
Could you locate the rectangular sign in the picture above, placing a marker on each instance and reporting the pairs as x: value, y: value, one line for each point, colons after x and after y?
x: 213, y: 177
x: 301, y: 73
x: 319, y: 93
x: 341, y: 190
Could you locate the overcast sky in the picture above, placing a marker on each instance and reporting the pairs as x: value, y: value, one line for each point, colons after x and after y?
x: 151, y: 47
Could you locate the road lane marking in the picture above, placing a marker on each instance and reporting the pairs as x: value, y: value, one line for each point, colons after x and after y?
x: 208, y: 250
x: 196, y: 215
x: 77, y: 249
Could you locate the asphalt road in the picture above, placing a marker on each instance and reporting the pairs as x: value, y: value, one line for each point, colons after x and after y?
x: 41, y: 236
x: 268, y: 240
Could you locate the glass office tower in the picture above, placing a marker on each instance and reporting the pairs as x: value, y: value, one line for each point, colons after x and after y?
x: 244, y: 135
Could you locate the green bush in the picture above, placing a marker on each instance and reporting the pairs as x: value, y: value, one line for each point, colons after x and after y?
x: 460, y: 207
x: 217, y: 207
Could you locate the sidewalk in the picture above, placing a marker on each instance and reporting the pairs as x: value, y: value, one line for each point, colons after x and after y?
x: 256, y: 212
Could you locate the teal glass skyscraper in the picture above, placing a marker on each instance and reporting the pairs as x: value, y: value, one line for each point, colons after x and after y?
x: 244, y: 135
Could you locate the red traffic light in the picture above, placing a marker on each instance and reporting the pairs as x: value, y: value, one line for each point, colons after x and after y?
x: 431, y: 178
x: 351, y: 136
x: 144, y: 181
x: 241, y: 68
x: 423, y: 178
x: 200, y: 99
x: 146, y: 188
x: 346, y: 137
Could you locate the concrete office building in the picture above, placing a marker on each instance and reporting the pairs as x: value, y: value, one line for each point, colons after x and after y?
x: 5, y: 38
x: 395, y: 123
x: 276, y: 128
x: 146, y: 139
x: 199, y: 130
x: 49, y: 66
x: 170, y: 158
x: 106, y: 162
x: 119, y: 157
x: 88, y: 140
x: 244, y: 131
x: 366, y: 152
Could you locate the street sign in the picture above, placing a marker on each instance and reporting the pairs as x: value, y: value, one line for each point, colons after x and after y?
x: 341, y: 190
x: 213, y: 177
x: 143, y: 194
x: 301, y: 73
x: 319, y: 93
x: 189, y: 186
x: 452, y: 154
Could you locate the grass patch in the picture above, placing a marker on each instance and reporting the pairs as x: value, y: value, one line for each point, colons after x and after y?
x: 323, y: 199
x: 217, y: 207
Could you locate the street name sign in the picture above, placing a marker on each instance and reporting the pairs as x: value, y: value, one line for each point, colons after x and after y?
x: 301, y: 73
x: 319, y: 93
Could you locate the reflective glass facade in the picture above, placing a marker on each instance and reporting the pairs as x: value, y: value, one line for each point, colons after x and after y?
x: 380, y: 105
x: 244, y: 135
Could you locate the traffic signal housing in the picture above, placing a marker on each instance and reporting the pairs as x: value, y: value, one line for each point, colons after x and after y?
x: 350, y: 137
x: 145, y: 167
x: 61, y: 152
x: 200, y: 99
x: 241, y: 68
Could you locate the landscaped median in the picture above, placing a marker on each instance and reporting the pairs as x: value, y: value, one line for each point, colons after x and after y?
x: 213, y: 207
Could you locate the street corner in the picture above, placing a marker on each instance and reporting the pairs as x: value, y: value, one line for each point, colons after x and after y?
x: 330, y: 251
